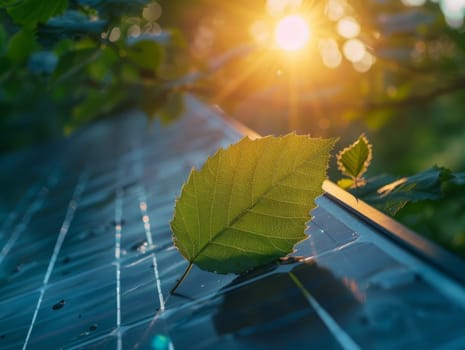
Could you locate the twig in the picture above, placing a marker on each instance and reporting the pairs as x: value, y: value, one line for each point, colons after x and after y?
x: 183, y: 277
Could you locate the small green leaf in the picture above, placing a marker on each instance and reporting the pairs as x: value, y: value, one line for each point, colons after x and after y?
x: 354, y: 160
x: 98, y: 103
x: 21, y: 45
x: 147, y: 54
x: 30, y: 12
x: 72, y: 63
x: 248, y: 205
x: 390, y: 195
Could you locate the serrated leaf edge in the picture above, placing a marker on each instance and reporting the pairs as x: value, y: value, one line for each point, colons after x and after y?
x: 366, y: 163
x: 176, y: 242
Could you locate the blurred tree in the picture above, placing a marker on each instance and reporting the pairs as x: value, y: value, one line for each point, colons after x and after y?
x: 64, y: 63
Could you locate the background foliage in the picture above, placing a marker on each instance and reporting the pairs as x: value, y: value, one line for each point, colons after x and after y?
x: 64, y: 63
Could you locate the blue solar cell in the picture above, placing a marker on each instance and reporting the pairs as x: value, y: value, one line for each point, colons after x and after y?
x: 87, y: 260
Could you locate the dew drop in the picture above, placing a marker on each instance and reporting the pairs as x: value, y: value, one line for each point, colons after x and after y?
x: 162, y: 342
x: 59, y: 305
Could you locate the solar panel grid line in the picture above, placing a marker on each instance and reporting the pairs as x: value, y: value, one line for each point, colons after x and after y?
x: 20, y: 207
x: 37, y: 203
x: 118, y: 232
x: 339, y: 334
x: 138, y: 170
x: 72, y: 206
x: 148, y: 233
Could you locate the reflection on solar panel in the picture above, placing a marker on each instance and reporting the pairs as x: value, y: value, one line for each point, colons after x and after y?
x: 87, y: 262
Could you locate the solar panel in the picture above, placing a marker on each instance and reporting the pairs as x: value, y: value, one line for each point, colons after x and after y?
x: 87, y: 261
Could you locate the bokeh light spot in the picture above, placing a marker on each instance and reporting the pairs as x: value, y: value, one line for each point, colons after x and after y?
x: 330, y: 53
x: 152, y: 12
x: 413, y: 2
x: 115, y: 34
x: 260, y: 32
x: 454, y: 11
x: 334, y: 10
x: 348, y: 27
x: 364, y: 65
x: 354, y: 50
x: 292, y: 33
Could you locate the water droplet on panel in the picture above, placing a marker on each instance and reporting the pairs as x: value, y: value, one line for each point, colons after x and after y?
x: 162, y: 342
x: 59, y: 305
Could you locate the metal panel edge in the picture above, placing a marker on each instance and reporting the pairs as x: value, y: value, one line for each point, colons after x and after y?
x: 390, y: 228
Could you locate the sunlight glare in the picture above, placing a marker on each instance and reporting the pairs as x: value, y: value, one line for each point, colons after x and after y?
x: 260, y: 32
x: 292, y: 33
x: 277, y: 8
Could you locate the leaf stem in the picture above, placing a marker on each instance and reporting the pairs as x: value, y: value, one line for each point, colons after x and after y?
x: 183, y: 277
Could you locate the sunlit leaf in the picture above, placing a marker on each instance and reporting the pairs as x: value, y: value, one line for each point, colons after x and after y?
x: 392, y: 195
x: 354, y: 160
x: 30, y: 12
x: 248, y: 205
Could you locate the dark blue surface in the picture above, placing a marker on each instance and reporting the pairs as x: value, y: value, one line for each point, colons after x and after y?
x: 87, y: 261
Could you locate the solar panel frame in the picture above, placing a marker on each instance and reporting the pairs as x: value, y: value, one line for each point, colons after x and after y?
x: 427, y: 250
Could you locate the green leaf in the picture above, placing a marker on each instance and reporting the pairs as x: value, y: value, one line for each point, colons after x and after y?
x: 3, y: 39
x: 391, y: 195
x: 248, y: 205
x: 354, y: 160
x: 21, y: 45
x: 72, y: 63
x: 147, y: 54
x: 98, y: 103
x: 31, y: 12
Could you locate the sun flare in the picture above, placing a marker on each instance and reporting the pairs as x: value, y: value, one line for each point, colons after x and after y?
x: 292, y: 33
